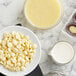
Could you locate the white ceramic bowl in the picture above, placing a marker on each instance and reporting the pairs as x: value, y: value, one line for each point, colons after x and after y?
x: 36, y: 59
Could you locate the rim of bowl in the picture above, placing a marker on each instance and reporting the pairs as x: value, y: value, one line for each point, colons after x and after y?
x: 44, y: 28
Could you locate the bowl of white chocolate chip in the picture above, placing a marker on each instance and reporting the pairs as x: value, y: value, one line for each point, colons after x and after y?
x: 19, y: 51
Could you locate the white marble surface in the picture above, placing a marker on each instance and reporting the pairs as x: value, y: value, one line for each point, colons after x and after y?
x: 11, y: 13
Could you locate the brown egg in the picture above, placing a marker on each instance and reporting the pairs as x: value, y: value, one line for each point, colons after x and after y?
x: 74, y: 17
x: 71, y: 29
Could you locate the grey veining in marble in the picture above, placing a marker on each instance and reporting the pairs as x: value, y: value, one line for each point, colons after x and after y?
x: 11, y: 13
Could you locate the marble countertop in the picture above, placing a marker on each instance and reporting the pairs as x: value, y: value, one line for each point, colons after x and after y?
x: 11, y: 13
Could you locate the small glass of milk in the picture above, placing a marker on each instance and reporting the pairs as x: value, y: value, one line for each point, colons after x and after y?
x: 62, y: 53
